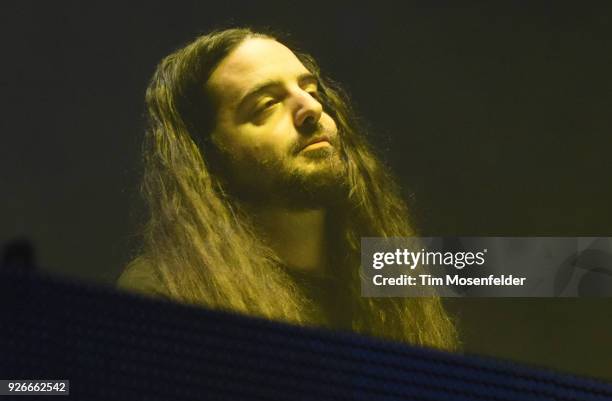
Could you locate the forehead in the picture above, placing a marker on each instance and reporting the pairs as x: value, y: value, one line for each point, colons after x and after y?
x: 255, y: 60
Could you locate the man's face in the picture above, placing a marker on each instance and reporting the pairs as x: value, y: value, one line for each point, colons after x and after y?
x: 278, y: 143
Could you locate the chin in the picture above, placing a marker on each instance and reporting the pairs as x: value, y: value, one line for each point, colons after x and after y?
x: 324, y: 168
x: 321, y: 153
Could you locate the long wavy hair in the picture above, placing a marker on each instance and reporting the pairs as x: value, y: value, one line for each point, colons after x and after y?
x: 204, y: 247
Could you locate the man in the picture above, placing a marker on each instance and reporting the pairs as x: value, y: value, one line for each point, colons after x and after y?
x: 259, y: 186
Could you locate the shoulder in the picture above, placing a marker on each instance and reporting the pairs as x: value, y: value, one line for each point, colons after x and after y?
x: 139, y: 276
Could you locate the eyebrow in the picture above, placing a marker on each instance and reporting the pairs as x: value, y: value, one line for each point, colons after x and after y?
x: 265, y: 86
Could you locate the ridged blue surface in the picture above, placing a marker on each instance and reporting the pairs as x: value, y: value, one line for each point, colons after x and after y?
x: 116, y: 346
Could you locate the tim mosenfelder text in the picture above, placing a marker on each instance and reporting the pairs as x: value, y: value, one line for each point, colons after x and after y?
x: 458, y: 260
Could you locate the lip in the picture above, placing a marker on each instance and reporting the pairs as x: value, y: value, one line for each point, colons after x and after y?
x: 317, y: 142
x: 316, y: 145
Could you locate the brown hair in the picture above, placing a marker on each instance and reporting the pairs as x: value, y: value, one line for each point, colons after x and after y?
x: 205, y: 249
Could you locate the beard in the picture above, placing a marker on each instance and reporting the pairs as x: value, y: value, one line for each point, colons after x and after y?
x: 321, y: 182
x: 309, y: 179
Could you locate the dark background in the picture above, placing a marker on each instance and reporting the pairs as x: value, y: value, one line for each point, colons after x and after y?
x: 496, y: 120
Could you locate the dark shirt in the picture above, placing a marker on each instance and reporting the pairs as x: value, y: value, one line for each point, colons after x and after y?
x: 328, y: 294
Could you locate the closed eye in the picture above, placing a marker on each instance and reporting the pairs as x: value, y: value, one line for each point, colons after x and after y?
x: 315, y: 94
x: 265, y: 105
x: 262, y: 110
x: 269, y: 103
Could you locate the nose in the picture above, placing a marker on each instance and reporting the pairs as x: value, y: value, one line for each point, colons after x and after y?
x: 308, y: 110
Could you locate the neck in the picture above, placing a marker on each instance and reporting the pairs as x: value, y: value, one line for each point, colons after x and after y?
x: 297, y: 236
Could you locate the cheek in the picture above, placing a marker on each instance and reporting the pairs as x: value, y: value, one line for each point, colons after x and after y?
x: 273, y: 139
x: 328, y: 124
x: 261, y: 144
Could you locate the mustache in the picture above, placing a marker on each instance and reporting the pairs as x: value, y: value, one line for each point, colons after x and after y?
x: 315, y: 133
